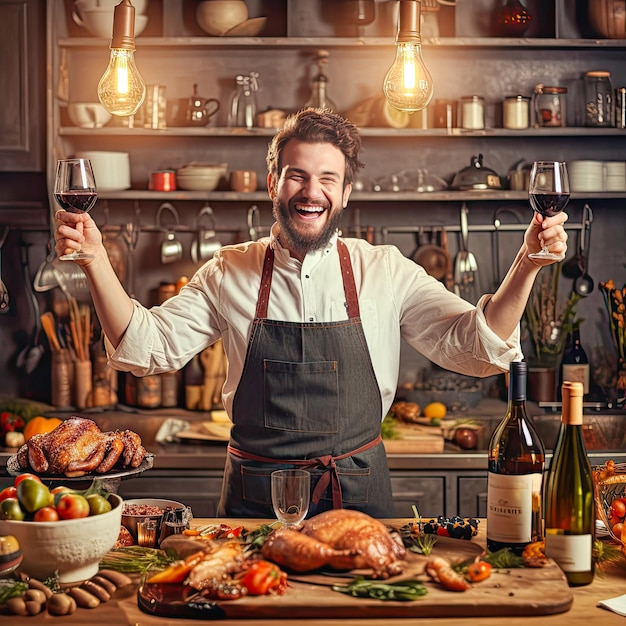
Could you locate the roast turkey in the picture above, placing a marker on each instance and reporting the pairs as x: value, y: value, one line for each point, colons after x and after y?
x: 341, y: 539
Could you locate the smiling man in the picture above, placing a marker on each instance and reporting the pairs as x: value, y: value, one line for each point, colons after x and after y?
x: 312, y: 325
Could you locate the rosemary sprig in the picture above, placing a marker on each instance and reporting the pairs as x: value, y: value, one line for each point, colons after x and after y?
x: 404, y: 590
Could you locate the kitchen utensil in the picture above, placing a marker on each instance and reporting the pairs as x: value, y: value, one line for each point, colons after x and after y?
x: 171, y: 248
x: 196, y: 176
x: 476, y: 176
x: 466, y: 266
x: 448, y: 278
x: 29, y: 357
x: 253, y: 222
x: 88, y: 114
x: 550, y: 105
x: 201, y: 110
x: 205, y: 245
x: 111, y: 169
x: 243, y: 180
x: 583, y: 283
x: 162, y: 180
x: 495, y: 243
x: 249, y: 28
x: 217, y: 17
x: 4, y: 292
x: 243, y: 104
x: 431, y: 257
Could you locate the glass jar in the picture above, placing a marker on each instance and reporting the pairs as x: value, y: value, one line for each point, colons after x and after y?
x: 598, y: 99
x: 516, y: 112
x: 550, y: 105
x: 472, y: 112
x: 620, y: 107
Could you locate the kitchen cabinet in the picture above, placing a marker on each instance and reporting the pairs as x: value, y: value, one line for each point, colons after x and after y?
x: 22, y: 82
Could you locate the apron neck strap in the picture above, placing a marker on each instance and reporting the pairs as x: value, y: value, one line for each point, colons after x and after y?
x: 347, y: 275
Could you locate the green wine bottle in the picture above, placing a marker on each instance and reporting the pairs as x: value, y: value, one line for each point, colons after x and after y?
x: 569, y: 505
x: 516, y: 462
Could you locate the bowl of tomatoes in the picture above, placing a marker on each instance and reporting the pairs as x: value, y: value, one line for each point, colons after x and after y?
x: 60, y: 530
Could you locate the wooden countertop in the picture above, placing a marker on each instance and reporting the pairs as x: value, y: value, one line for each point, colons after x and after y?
x: 122, y: 610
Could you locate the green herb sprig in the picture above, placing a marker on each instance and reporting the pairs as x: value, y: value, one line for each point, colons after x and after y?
x: 136, y: 560
x: 401, y: 591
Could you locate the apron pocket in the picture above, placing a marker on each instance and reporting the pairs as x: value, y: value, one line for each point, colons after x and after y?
x: 302, y: 397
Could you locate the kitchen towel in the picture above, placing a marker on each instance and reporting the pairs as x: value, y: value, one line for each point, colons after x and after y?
x: 617, y: 605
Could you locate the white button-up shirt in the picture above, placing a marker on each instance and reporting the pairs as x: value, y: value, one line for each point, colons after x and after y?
x: 397, y: 298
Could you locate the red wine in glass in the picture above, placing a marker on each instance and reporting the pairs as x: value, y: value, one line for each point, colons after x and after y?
x: 75, y: 191
x: 548, y: 194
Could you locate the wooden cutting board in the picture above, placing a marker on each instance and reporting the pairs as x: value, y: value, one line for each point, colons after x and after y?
x: 522, y: 591
x: 414, y: 439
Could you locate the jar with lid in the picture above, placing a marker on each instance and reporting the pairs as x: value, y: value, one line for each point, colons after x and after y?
x: 516, y: 112
x: 550, y: 105
x: 598, y: 99
x: 472, y: 112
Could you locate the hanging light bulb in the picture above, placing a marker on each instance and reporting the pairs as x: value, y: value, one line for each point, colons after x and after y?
x: 408, y: 85
x: 121, y: 89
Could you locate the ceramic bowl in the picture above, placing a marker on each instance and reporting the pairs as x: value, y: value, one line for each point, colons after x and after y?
x: 88, y: 114
x: 99, y: 22
x: 216, y: 17
x: 130, y: 521
x: 249, y: 28
x: 201, y: 176
x: 72, y: 547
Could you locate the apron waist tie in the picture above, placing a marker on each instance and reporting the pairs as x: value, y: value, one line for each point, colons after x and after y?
x: 327, y: 462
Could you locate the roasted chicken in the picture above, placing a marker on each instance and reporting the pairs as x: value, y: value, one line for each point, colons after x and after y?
x: 77, y: 446
x: 340, y: 539
x: 220, y: 561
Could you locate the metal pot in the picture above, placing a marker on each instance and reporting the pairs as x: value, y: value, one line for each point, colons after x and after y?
x: 476, y: 176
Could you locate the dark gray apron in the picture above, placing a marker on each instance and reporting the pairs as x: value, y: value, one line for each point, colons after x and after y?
x: 308, y: 397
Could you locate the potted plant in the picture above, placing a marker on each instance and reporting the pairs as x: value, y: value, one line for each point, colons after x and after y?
x: 548, y: 322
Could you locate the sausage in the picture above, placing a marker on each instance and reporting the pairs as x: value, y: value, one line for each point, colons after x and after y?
x: 83, y: 598
x: 105, y: 583
x: 100, y: 592
x: 61, y: 604
x: 117, y: 578
x: 33, y: 583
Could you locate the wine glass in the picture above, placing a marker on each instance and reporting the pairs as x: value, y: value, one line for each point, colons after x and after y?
x: 75, y: 191
x: 291, y: 490
x: 548, y: 194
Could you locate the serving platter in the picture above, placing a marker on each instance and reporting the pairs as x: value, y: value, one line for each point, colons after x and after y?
x: 507, y: 592
x: 14, y: 469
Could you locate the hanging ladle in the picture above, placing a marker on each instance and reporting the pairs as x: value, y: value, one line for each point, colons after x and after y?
x: 583, y: 284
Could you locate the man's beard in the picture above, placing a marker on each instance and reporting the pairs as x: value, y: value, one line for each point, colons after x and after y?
x: 303, y: 242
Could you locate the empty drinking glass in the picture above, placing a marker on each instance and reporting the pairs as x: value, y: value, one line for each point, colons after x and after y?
x: 291, y: 490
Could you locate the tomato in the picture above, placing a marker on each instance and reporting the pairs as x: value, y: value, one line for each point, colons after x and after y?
x: 60, y: 489
x: 8, y: 492
x: 33, y: 495
x: 618, y: 508
x: 46, y: 514
x: 71, y: 506
x: 263, y: 577
x: 20, y: 477
x: 478, y: 570
x: 618, y: 529
x: 10, y: 509
x: 98, y: 504
x: 10, y: 422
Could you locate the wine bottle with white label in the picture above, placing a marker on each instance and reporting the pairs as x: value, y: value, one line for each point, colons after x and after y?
x: 569, y: 507
x: 514, y: 483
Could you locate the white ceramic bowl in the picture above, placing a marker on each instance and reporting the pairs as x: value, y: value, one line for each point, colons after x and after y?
x: 200, y: 176
x: 88, y: 114
x: 140, y: 5
x: 216, y: 17
x: 99, y: 22
x: 72, y: 547
x: 111, y: 169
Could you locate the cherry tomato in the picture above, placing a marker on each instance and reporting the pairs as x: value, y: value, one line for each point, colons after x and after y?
x: 478, y: 570
x: 46, y: 514
x: 21, y: 477
x: 618, y: 508
x: 72, y: 506
x: 263, y: 577
x: 8, y: 492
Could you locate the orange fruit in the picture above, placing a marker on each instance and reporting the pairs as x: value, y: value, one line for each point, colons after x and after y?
x: 40, y: 425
